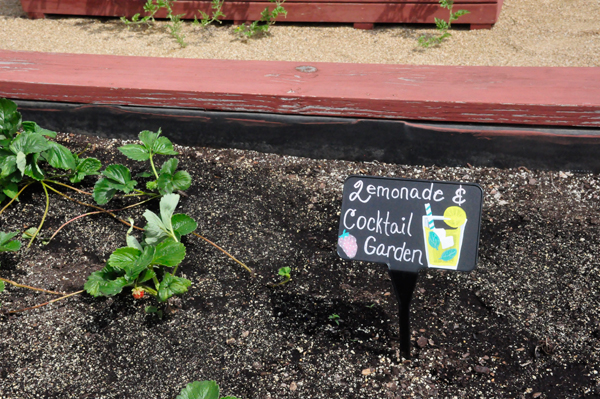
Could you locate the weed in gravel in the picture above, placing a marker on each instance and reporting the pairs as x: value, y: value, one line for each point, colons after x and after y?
x: 267, y: 19
x: 442, y: 26
x: 151, y: 9
x: 217, y: 6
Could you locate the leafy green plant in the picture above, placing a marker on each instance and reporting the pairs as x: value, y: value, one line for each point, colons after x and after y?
x: 442, y: 26
x: 139, y: 265
x: 27, y: 156
x: 167, y: 179
x: 284, y: 272
x: 267, y: 19
x: 201, y: 390
x: 217, y: 6
x: 335, y: 318
x: 151, y: 8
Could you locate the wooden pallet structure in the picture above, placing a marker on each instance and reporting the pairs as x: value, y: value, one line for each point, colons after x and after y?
x: 362, y: 13
x: 538, y: 117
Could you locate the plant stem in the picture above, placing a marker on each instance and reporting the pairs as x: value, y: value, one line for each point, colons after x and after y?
x: 152, y: 164
x: 16, y: 196
x: 225, y: 252
x: 97, y: 212
x: 44, y: 186
x: 149, y: 290
x: 47, y: 303
x: 30, y: 288
x: 66, y: 185
x: 97, y: 207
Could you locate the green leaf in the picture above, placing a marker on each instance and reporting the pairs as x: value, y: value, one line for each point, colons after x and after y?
x: 151, y: 185
x: 141, y: 264
x: 103, y: 191
x: 60, y: 157
x: 21, y: 161
x: 32, y: 127
x: 85, y: 167
x: 1, y: 286
x: 132, y: 242
x: 29, y: 143
x: 434, y: 240
x: 155, y: 230
x: 108, y: 281
x: 169, y: 253
x: 32, y: 169
x: 8, y: 243
x: 448, y: 254
x: 8, y: 165
x: 135, y: 152
x: 172, y: 285
x: 169, y: 166
x: 183, y: 224
x: 120, y: 176
x: 11, y: 189
x: 200, y: 390
x: 10, y: 119
x: 163, y: 146
x: 148, y: 138
x: 123, y: 257
x: 168, y: 203
x: 168, y: 183
x: 284, y: 271
x: 146, y: 275
x: 30, y: 232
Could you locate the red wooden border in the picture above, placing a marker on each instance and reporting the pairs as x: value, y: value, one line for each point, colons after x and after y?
x: 482, y: 12
x: 490, y: 95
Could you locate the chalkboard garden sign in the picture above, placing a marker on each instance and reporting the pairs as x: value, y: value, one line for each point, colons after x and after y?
x: 410, y: 225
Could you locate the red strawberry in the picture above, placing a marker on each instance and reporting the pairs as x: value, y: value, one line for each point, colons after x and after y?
x: 348, y: 243
x: 138, y: 293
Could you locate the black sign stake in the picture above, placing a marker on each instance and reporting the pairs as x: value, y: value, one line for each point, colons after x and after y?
x: 404, y: 285
x: 410, y: 225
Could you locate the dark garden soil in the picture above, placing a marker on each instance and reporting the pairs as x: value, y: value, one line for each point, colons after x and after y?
x: 524, y: 324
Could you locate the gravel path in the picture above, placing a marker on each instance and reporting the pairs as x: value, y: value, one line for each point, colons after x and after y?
x: 529, y: 33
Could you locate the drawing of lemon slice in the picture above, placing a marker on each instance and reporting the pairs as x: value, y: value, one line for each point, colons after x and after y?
x: 454, y: 216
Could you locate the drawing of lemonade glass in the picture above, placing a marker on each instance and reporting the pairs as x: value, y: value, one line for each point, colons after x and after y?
x: 444, y: 237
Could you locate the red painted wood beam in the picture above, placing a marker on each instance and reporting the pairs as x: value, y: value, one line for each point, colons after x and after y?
x: 482, y: 12
x: 490, y: 95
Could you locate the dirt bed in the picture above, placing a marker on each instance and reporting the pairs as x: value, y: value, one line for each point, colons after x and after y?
x: 524, y: 324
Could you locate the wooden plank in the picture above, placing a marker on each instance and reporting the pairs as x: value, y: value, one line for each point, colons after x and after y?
x: 482, y: 12
x: 502, y: 95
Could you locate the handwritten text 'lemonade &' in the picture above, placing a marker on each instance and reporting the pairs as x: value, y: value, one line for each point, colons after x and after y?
x: 379, y: 225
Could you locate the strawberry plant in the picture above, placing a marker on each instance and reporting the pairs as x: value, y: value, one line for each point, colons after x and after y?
x: 27, y: 156
x: 143, y: 266
x: 267, y: 19
x: 201, y: 390
x: 167, y: 179
x: 442, y: 25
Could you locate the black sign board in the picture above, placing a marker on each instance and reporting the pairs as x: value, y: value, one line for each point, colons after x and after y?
x: 410, y: 225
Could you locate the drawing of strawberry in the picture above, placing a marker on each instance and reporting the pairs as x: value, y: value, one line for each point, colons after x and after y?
x: 348, y: 243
